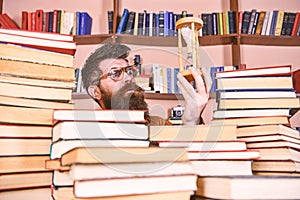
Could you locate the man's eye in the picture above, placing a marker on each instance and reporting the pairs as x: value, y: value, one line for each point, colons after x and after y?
x: 129, y: 72
x: 116, y: 73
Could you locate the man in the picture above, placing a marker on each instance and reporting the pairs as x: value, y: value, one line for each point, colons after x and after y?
x: 109, y: 79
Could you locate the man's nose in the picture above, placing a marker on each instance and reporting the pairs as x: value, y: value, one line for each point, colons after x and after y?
x: 128, y: 78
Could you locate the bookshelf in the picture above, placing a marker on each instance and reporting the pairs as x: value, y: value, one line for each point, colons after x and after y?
x: 233, y: 52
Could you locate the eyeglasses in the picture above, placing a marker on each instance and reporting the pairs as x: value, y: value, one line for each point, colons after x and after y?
x: 117, y: 74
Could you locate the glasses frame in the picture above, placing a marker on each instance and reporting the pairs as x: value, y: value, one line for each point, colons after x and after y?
x: 121, y: 76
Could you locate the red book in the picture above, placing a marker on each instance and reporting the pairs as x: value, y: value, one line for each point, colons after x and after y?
x: 24, y: 24
x: 33, y: 21
x: 54, y: 23
x: 39, y: 20
x: 3, y: 23
x: 11, y: 23
x: 296, y: 24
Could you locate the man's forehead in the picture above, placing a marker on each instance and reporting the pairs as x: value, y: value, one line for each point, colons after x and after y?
x: 110, y: 63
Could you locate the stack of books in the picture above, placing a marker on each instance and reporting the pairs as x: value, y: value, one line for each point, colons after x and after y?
x: 213, y: 150
x: 128, y: 173
x: 279, y: 148
x: 255, y: 96
x: 259, y: 101
x: 33, y: 82
x: 92, y: 128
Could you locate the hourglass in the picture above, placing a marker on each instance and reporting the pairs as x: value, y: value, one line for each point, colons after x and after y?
x: 188, y: 28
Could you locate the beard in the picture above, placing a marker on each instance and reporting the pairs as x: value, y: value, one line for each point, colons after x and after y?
x: 129, y: 97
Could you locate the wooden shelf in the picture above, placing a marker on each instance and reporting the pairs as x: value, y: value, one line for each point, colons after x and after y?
x: 151, y: 40
x: 267, y: 40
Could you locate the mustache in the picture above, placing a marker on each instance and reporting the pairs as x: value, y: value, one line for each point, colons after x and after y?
x: 130, y: 86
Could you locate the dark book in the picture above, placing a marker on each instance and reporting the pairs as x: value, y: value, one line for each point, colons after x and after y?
x: 59, y: 18
x: 140, y: 23
x: 215, y: 23
x: 123, y: 21
x: 147, y: 24
x: 284, y: 23
x: 256, y: 17
x: 204, y: 27
x: 130, y: 23
x: 246, y: 21
x: 290, y: 23
x: 50, y: 21
x: 209, y: 24
x: 252, y: 18
x: 86, y: 24
x: 176, y: 18
x: 110, y: 15
x: 232, y: 21
x: 171, y: 24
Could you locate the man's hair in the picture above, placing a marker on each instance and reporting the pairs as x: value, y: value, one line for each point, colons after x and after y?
x: 91, y: 71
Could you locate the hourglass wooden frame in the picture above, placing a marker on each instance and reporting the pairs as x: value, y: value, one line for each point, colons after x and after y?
x: 195, y: 24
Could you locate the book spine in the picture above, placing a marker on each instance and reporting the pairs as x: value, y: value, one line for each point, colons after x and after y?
x: 123, y: 21
x: 140, y: 24
x: 260, y: 22
x: 209, y: 24
x: 290, y: 23
x: 24, y: 24
x: 136, y: 23
x: 246, y: 22
x: 220, y: 23
x: 296, y: 24
x: 166, y: 23
x: 110, y: 15
x: 129, y: 24
x: 265, y: 23
x: 232, y: 22
x: 214, y: 23
x: 279, y: 23
x: 255, y: 23
x: 252, y: 18
x: 204, y: 27
x: 273, y: 22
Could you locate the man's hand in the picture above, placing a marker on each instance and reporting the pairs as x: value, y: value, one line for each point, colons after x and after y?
x: 195, y: 101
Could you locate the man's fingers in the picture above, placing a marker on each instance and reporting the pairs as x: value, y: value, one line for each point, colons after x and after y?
x: 200, y: 85
x: 184, y: 92
x: 207, y: 78
x: 186, y: 85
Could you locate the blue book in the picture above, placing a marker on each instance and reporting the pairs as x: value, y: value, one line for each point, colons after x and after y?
x: 50, y: 22
x: 85, y: 24
x: 123, y: 21
x: 169, y: 80
x: 176, y: 88
x: 273, y: 22
x: 166, y: 23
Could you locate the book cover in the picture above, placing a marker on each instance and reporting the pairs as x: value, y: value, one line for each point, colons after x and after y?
x: 123, y: 21
x: 85, y: 24
x: 110, y: 14
x: 246, y: 22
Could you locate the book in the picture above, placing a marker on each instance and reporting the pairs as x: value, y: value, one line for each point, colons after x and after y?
x: 290, y: 23
x: 250, y: 121
x: 237, y: 187
x: 130, y: 23
x: 26, y: 115
x: 296, y: 24
x: 258, y: 103
x: 99, y: 115
x: 279, y: 153
x: 219, y: 114
x: 54, y: 164
x: 255, y: 94
x: 98, y: 130
x: 271, y: 137
x: 27, y: 194
x: 34, y: 70
x: 65, y: 47
x: 260, y: 22
x: 110, y: 21
x: 85, y: 26
x: 251, y: 22
x: 192, y: 133
x: 24, y: 131
x: 273, y: 144
x: 222, y: 167
x: 245, y: 22
x: 273, y: 22
x: 66, y: 192
x: 34, y: 103
x: 28, y: 146
x: 256, y: 16
x: 123, y: 155
x: 261, y: 173
x: 235, y: 145
x: 36, y: 92
x: 62, y: 146
x: 224, y: 155
x: 270, y: 20
x: 261, y: 130
x: 276, y: 166
x: 12, y: 181
x: 129, y: 170
x: 279, y: 23
x: 265, y: 23
x: 296, y: 82
x: 84, y: 188
x: 10, y: 22
x: 263, y: 83
x: 14, y: 164
x: 258, y: 71
x: 20, y: 53
x: 123, y: 21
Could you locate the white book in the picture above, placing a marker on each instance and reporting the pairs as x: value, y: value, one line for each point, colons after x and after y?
x: 67, y: 130
x: 136, y: 23
x: 265, y: 23
x: 269, y: 23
